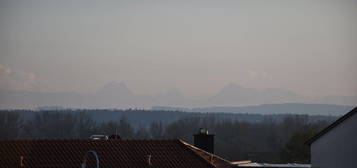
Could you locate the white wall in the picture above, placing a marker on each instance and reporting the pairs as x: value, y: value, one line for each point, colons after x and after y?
x: 338, y: 147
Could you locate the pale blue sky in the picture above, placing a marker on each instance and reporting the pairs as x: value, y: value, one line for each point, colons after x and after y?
x: 198, y: 47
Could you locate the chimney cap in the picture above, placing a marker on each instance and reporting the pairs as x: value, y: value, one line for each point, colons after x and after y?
x: 203, y: 131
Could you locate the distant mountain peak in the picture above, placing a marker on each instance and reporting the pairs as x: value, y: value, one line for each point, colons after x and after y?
x: 114, y: 84
x: 173, y: 92
x: 233, y: 86
x: 115, y: 88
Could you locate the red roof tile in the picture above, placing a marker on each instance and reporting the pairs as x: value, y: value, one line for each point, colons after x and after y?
x: 111, y: 153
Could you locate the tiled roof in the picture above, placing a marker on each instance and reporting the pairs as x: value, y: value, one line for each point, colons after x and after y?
x: 111, y: 153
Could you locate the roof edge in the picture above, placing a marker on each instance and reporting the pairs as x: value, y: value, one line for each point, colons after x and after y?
x: 185, y: 144
x: 193, y: 148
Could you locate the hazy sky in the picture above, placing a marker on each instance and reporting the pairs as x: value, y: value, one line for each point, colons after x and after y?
x: 198, y: 47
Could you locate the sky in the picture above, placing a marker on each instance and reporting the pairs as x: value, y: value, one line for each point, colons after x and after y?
x: 197, y: 47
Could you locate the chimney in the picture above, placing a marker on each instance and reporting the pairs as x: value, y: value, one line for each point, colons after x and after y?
x: 204, y: 141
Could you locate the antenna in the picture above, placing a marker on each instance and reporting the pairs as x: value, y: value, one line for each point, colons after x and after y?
x: 22, y: 161
x: 149, y: 160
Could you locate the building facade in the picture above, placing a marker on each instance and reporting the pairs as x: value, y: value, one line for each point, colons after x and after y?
x: 336, y: 146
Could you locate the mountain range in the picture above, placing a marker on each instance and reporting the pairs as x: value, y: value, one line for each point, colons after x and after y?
x: 118, y: 95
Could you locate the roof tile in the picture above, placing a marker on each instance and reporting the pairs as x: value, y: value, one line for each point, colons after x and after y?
x: 111, y: 153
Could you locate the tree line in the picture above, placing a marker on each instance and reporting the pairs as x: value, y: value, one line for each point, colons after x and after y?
x: 269, y: 140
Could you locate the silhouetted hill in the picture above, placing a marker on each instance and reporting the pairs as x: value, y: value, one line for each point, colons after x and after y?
x: 288, y: 108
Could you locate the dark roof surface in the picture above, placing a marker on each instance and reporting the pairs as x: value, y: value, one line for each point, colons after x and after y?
x: 331, y: 126
x: 111, y: 153
x: 211, y: 158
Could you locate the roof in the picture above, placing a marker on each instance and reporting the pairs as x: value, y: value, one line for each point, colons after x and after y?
x: 111, y: 153
x: 250, y: 164
x: 287, y: 165
x: 331, y: 126
x: 211, y: 158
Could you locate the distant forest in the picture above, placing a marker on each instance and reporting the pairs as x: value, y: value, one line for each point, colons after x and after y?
x: 262, y: 138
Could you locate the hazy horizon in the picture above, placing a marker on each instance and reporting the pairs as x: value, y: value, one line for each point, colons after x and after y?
x: 120, y: 96
x: 196, y: 48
